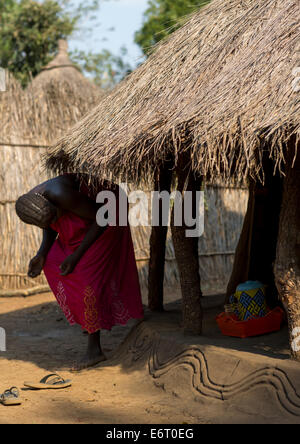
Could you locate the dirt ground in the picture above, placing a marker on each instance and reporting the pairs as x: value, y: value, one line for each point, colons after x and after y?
x: 40, y: 341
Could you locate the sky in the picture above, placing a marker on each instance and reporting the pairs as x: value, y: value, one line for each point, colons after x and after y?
x: 126, y: 17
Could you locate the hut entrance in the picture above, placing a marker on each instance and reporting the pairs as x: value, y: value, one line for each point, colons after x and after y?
x: 256, y: 251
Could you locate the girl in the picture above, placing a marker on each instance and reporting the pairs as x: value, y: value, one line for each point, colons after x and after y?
x: 90, y: 269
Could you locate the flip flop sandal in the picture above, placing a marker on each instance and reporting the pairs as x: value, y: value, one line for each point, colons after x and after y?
x: 52, y: 381
x: 10, y: 397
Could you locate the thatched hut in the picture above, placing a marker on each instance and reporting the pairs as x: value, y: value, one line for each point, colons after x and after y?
x: 30, y: 121
x: 142, y: 105
x: 215, y: 100
x: 58, y: 97
x: 16, y: 159
x: 138, y: 115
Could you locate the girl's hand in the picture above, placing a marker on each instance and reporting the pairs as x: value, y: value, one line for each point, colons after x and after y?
x: 68, y: 265
x: 36, y: 265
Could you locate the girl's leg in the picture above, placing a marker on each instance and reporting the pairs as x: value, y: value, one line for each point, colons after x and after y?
x: 94, y: 345
x: 94, y: 353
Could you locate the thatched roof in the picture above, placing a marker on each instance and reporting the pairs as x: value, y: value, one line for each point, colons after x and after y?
x: 223, y: 80
x: 57, y: 98
x: 61, y: 70
x: 10, y: 111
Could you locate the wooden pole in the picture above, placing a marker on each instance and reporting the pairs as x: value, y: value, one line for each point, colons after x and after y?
x: 186, y: 252
x: 287, y: 264
x: 158, y: 246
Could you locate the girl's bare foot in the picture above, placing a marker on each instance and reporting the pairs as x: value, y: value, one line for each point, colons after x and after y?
x: 94, y: 354
x: 89, y: 360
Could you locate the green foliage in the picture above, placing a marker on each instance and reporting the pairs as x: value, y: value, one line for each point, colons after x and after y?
x: 105, y: 68
x: 30, y: 30
x: 29, y: 34
x: 162, y: 18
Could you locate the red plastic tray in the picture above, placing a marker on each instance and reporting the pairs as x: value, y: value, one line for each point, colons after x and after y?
x: 231, y: 326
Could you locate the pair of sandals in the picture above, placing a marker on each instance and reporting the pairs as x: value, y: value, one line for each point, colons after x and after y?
x: 52, y: 381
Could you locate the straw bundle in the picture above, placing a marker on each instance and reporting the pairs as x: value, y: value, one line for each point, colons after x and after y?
x: 30, y: 121
x: 251, y: 106
x: 57, y: 98
x: 207, y: 89
x: 17, y: 241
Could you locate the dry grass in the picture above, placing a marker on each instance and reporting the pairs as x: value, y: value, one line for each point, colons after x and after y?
x: 30, y: 121
x: 220, y: 87
x: 20, y: 170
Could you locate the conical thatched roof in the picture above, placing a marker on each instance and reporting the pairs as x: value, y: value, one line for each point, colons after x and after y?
x: 61, y: 70
x: 58, y: 97
x: 10, y: 110
x: 223, y: 81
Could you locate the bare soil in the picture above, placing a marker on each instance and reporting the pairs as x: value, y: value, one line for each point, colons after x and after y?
x: 40, y: 341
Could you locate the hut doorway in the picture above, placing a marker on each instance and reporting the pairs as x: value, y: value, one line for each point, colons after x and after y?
x: 158, y: 240
x: 256, y: 250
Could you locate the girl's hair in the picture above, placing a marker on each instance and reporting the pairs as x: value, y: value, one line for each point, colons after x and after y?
x: 35, y: 209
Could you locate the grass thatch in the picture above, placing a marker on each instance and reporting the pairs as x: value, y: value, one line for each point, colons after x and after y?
x: 30, y: 121
x: 17, y: 241
x: 220, y: 86
x: 20, y: 170
x: 9, y: 111
x: 60, y: 69
x: 57, y: 98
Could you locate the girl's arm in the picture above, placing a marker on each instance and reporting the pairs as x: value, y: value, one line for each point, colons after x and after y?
x: 49, y: 237
x: 62, y: 193
x: 71, y: 261
x: 37, y: 263
x: 67, y: 198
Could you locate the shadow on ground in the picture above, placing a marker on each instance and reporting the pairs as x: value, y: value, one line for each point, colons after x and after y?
x: 41, y: 335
